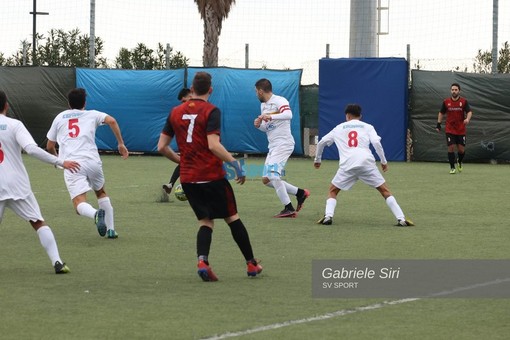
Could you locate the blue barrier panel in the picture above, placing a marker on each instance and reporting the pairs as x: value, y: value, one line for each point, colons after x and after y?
x: 139, y: 100
x: 379, y: 85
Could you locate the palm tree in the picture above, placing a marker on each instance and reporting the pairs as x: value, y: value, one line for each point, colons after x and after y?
x: 212, y: 12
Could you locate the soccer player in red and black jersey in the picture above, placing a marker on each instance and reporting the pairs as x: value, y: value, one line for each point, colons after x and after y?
x: 196, y: 126
x: 458, y: 114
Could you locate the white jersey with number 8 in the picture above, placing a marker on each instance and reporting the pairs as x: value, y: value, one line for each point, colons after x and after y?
x: 353, y: 139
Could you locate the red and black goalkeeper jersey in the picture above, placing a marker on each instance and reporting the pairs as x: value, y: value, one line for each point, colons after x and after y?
x: 455, y: 111
x: 190, y: 123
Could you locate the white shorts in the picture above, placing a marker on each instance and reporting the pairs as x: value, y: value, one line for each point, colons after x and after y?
x: 276, y: 160
x: 27, y: 208
x: 89, y: 177
x: 344, y: 180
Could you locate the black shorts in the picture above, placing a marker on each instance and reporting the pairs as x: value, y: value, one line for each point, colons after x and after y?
x: 212, y: 199
x: 455, y: 139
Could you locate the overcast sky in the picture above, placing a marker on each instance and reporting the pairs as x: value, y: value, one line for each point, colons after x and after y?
x: 280, y: 33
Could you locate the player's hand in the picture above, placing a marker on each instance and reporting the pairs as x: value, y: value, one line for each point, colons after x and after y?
x: 240, y: 172
x: 71, y: 166
x: 266, y: 118
x: 384, y: 167
x: 123, y: 151
x: 317, y: 165
x: 438, y: 127
x: 257, y: 122
x: 466, y: 121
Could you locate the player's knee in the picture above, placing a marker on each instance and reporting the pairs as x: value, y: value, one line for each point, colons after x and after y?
x: 100, y: 193
x: 37, y: 224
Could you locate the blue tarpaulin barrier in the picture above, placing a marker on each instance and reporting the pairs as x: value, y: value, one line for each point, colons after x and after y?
x: 141, y: 100
x: 379, y: 85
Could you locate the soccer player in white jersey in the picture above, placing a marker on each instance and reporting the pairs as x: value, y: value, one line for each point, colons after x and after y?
x: 274, y: 120
x: 353, y: 139
x: 75, y: 132
x: 15, y: 190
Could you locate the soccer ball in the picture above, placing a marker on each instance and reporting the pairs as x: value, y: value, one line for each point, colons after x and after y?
x: 179, y: 193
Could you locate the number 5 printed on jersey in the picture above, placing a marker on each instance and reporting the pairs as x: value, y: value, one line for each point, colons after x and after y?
x: 74, y: 129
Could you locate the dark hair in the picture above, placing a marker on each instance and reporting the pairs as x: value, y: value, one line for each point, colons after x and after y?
x: 264, y: 85
x: 183, y: 93
x: 455, y: 84
x: 353, y: 109
x: 76, y: 98
x: 202, y: 83
x: 3, y: 100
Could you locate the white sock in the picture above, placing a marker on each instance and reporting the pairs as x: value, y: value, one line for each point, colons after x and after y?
x: 106, y: 205
x: 291, y: 189
x: 86, y: 210
x: 330, y: 207
x: 49, y: 244
x: 395, y: 208
x: 281, y: 191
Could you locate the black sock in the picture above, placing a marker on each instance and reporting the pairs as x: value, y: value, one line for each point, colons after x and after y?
x: 204, y: 239
x: 300, y: 192
x: 240, y: 235
x: 460, y: 157
x: 451, y: 159
x: 289, y: 206
x: 175, y: 175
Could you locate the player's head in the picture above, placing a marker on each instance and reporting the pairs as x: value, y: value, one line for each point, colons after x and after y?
x: 202, y: 83
x: 264, y: 88
x: 184, y: 95
x: 354, y: 110
x: 76, y: 98
x: 455, y: 90
x: 3, y: 101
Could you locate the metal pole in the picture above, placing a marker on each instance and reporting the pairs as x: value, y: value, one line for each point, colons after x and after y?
x: 247, y: 56
x: 327, y: 50
x: 24, y: 53
x: 363, y: 24
x: 495, y: 36
x: 408, y: 56
x: 34, y: 31
x: 167, y: 56
x: 92, y: 38
x: 34, y: 14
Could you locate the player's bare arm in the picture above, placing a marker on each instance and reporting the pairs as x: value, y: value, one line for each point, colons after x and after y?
x: 112, y: 123
x: 51, y: 147
x: 468, y: 118
x: 165, y: 150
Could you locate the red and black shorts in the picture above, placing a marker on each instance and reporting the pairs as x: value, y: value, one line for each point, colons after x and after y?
x: 211, y: 199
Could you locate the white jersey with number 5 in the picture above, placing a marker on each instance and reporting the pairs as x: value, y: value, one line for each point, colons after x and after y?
x: 353, y: 139
x: 75, y: 132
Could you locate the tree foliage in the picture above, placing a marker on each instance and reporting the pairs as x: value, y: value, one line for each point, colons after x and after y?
x: 71, y: 49
x: 483, y: 60
x: 143, y: 58
x: 59, y: 48
x: 212, y: 12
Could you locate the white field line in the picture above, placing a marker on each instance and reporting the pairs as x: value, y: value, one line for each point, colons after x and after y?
x: 344, y: 312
